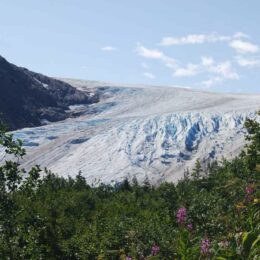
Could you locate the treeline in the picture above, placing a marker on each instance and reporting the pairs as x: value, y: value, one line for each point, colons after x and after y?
x: 213, y: 215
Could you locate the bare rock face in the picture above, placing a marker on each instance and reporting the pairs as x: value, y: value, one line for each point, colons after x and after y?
x: 27, y: 98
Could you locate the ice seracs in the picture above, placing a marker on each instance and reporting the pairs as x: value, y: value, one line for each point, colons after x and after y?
x: 141, y: 131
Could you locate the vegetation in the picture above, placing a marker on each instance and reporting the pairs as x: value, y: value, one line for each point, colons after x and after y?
x: 213, y: 215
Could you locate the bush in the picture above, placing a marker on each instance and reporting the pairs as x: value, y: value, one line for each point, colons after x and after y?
x: 43, y: 216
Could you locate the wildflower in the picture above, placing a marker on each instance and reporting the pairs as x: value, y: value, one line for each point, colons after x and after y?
x: 223, y: 244
x: 249, y: 189
x: 205, y: 246
x: 128, y: 258
x: 155, y: 250
x: 190, y: 226
x: 181, y: 215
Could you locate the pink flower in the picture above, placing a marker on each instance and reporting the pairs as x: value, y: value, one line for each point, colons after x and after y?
x: 181, y: 215
x: 205, y: 246
x: 249, y: 189
x: 155, y: 250
x: 190, y: 226
x: 128, y: 258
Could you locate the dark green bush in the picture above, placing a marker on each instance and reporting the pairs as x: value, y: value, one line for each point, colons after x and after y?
x: 43, y: 216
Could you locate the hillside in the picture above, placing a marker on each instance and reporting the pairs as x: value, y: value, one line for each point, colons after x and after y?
x: 30, y: 99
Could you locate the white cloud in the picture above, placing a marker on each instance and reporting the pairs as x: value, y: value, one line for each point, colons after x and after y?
x: 208, y: 65
x: 248, y: 62
x: 240, y: 35
x: 243, y: 46
x: 207, y: 61
x: 217, y: 72
x: 108, y: 48
x: 189, y: 70
x: 194, y: 39
x: 222, y: 70
x: 149, y: 75
x: 144, y: 65
x: 172, y: 64
x: 212, y: 81
x: 149, y: 53
x: 156, y: 55
x: 225, y: 70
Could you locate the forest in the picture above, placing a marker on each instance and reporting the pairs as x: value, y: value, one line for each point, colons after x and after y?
x: 210, y: 214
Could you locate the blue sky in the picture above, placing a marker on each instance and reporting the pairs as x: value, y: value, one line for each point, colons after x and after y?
x: 203, y: 44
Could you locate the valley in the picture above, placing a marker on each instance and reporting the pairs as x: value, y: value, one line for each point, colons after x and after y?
x: 147, y: 132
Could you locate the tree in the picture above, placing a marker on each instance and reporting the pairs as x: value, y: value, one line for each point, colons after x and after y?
x: 197, y: 170
x: 10, y: 179
x: 253, y: 148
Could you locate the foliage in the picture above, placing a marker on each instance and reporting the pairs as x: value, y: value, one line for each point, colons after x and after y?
x: 209, y: 216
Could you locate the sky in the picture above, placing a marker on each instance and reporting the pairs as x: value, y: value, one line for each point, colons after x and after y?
x: 203, y: 44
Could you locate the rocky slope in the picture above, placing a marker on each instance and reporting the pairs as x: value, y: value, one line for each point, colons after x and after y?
x: 30, y: 99
x: 141, y: 131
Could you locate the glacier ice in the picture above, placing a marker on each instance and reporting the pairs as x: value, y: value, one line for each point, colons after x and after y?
x: 141, y: 131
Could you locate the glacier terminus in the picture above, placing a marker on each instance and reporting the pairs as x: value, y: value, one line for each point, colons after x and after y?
x: 147, y: 132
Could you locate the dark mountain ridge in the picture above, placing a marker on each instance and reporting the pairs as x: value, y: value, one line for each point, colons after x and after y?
x: 28, y: 99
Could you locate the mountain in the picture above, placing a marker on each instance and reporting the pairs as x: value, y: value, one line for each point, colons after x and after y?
x: 141, y: 131
x: 29, y: 99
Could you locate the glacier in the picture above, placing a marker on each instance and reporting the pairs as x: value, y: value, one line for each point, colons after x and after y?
x: 147, y: 132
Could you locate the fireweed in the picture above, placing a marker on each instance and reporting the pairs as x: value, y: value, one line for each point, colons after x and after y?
x: 205, y: 246
x: 155, y: 250
x: 190, y: 227
x: 181, y: 215
x: 249, y: 190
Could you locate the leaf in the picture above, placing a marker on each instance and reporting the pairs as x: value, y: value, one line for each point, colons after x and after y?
x: 248, y: 238
x: 256, y: 241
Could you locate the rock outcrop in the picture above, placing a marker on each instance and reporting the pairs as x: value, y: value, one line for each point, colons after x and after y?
x: 29, y: 99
